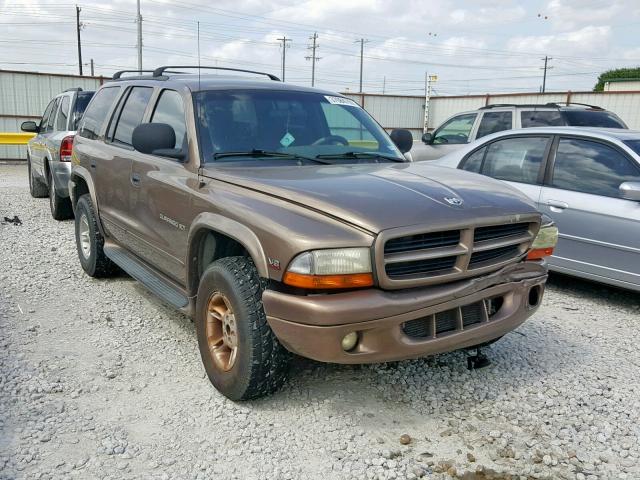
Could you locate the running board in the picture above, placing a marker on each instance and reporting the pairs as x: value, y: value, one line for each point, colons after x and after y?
x: 147, y: 277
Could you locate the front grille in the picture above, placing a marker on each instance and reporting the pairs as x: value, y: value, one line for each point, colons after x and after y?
x: 499, y: 231
x: 494, y: 254
x: 422, y: 258
x: 422, y: 241
x: 455, y: 319
x: 420, y: 267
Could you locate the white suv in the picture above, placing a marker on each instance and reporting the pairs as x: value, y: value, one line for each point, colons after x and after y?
x: 466, y: 127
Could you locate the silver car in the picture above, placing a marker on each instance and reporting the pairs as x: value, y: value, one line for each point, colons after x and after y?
x: 466, y: 127
x: 49, y: 152
x: 586, y: 179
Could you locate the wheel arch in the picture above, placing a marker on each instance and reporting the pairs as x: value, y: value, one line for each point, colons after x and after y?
x: 229, y: 237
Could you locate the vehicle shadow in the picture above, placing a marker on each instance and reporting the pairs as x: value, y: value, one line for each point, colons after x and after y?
x: 594, y: 291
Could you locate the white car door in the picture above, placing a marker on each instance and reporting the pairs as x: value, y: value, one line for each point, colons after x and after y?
x: 599, y: 230
x: 448, y: 137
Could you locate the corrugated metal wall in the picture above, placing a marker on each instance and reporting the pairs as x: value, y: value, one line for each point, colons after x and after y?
x: 25, y: 95
x: 625, y: 104
x: 394, y: 111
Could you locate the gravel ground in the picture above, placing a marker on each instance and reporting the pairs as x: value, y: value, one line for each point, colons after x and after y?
x: 98, y: 379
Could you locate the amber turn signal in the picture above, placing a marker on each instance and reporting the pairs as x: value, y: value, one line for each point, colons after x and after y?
x: 539, y: 253
x: 353, y: 280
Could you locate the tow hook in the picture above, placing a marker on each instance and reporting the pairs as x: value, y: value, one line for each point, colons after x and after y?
x: 479, y: 360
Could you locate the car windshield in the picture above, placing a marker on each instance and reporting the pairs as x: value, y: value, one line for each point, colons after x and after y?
x: 237, y: 125
x: 592, y: 118
x: 634, y: 145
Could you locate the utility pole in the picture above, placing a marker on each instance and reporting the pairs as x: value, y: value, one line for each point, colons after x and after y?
x: 384, y: 84
x: 544, y: 77
x: 92, y: 71
x: 312, y: 57
x: 362, y: 42
x: 78, y: 25
x: 139, y: 44
x: 284, y: 41
x: 429, y: 80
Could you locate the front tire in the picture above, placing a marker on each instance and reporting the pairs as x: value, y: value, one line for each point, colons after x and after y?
x: 60, y: 206
x: 241, y: 354
x: 90, y: 242
x: 37, y: 189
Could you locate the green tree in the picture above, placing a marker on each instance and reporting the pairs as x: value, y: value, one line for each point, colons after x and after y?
x: 616, y: 74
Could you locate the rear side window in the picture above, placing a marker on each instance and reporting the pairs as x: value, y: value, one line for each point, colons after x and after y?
x: 52, y: 116
x: 634, y: 145
x: 456, y: 130
x: 170, y: 110
x: 82, y: 100
x: 591, y: 118
x: 515, y: 159
x: 95, y: 115
x: 132, y: 114
x: 493, y: 122
x: 541, y: 118
x: 592, y: 167
x: 63, y: 114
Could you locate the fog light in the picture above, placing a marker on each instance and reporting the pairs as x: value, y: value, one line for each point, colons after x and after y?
x: 349, y: 341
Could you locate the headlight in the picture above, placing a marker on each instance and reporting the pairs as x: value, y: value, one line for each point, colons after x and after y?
x: 545, y: 241
x: 334, y: 268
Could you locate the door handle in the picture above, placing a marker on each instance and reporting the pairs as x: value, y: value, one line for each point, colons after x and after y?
x: 135, y: 178
x: 557, y: 205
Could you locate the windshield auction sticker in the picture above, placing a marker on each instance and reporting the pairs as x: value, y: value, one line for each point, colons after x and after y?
x: 341, y: 101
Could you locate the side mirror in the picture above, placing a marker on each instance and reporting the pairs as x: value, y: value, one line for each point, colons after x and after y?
x: 29, y: 126
x: 403, y: 140
x: 630, y: 191
x: 156, y: 139
x: 427, y: 138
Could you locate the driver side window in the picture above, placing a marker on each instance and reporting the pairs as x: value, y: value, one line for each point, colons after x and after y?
x: 456, y: 130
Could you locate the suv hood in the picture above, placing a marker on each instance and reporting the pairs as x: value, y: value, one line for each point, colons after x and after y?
x: 376, y: 197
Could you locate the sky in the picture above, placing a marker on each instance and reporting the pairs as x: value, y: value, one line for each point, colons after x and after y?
x: 473, y: 47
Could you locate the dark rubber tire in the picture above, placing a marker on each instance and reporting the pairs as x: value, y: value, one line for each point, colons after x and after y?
x: 96, y: 264
x: 37, y: 189
x: 262, y: 362
x: 60, y: 206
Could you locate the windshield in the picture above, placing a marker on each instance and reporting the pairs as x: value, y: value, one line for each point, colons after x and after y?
x: 241, y: 125
x: 634, y: 145
x: 591, y: 118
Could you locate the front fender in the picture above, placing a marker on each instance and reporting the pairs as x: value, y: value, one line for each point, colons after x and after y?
x: 233, y: 229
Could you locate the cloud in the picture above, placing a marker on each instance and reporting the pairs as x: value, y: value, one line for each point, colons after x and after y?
x: 586, y: 40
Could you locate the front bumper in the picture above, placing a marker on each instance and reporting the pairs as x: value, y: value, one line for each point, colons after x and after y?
x: 61, y: 174
x: 313, y: 326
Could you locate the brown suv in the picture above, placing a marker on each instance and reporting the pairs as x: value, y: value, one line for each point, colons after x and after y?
x: 284, y: 218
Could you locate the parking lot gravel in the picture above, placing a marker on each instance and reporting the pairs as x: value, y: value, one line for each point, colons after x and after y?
x: 99, y: 379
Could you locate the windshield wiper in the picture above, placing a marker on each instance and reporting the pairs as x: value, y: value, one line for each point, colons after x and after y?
x: 358, y: 155
x: 265, y: 153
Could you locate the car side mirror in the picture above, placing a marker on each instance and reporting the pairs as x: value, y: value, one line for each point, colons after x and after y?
x: 427, y: 138
x: 403, y: 140
x: 630, y: 191
x: 156, y: 139
x: 29, y: 126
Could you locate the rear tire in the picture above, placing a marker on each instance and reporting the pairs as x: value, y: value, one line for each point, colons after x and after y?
x: 60, y: 206
x: 90, y: 242
x: 37, y: 189
x: 241, y: 354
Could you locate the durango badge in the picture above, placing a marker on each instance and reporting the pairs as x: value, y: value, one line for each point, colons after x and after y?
x: 455, y: 201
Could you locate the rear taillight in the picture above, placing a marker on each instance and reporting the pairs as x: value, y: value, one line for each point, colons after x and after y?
x: 66, y: 148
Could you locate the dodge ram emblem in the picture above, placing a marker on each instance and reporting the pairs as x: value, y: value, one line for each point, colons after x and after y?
x: 455, y: 201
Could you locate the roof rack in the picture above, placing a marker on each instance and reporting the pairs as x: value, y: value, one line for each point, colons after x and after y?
x: 74, y: 89
x: 160, y: 70
x: 118, y: 74
x: 539, y: 105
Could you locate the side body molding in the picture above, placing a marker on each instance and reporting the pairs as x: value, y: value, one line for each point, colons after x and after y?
x: 207, y: 221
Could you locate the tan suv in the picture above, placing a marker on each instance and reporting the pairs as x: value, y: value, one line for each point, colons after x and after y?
x: 284, y: 219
